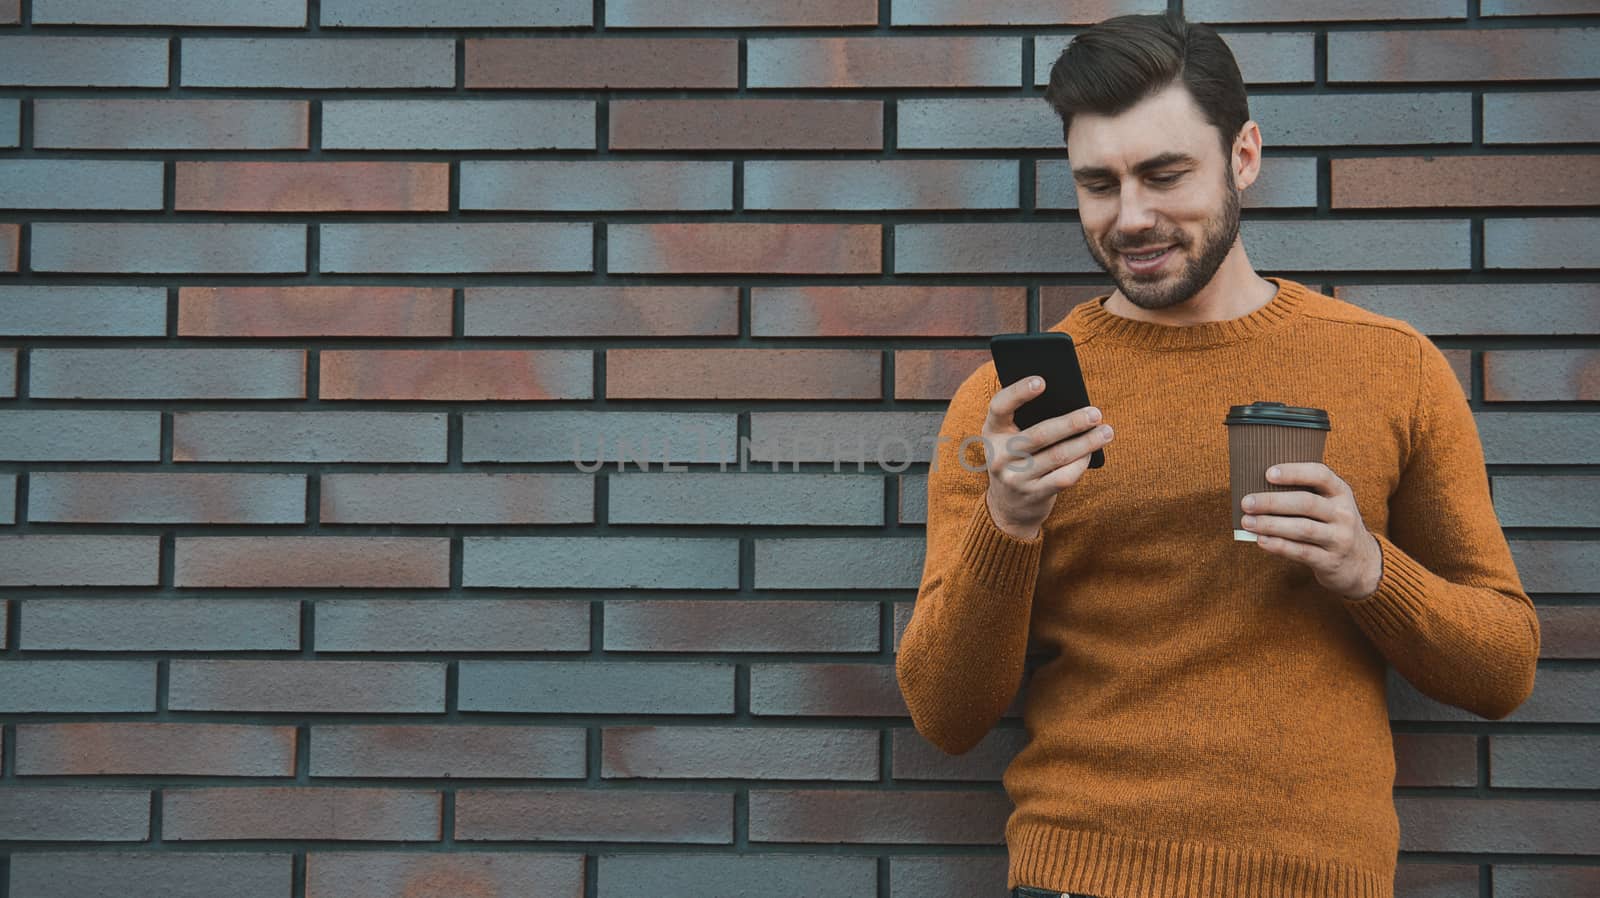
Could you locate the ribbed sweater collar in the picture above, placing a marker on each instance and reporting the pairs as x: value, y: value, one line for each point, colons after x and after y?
x: 1092, y: 318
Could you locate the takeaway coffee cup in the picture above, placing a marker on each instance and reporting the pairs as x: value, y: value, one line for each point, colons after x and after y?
x: 1261, y: 435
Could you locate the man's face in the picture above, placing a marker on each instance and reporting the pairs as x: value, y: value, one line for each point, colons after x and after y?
x: 1154, y: 180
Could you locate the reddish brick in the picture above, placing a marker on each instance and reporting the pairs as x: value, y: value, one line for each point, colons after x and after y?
x: 680, y: 625
x: 957, y: 876
x: 915, y: 758
x: 1543, y: 881
x: 313, y: 186
x: 934, y: 373
x: 301, y: 812
x: 452, y: 625
x: 1500, y: 826
x: 10, y: 241
x: 602, y: 62
x: 887, y: 311
x: 309, y: 561
x: 1461, y: 365
x: 1532, y: 375
x: 743, y: 374
x: 1435, y: 759
x: 90, y: 497
x: 154, y: 749
x: 743, y: 248
x: 456, y: 750
x: 920, y: 818
x: 10, y: 12
x: 916, y: 62
x: 602, y: 311
x: 1056, y: 300
x: 1425, y: 880
x: 450, y: 874
x: 746, y: 125
x: 827, y: 690
x: 356, y: 311
x: 594, y: 815
x: 679, y: 752
x: 457, y: 375
x: 1569, y: 631
x: 1402, y: 181
x: 307, y: 687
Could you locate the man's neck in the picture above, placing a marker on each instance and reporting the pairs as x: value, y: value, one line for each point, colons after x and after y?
x: 1233, y: 292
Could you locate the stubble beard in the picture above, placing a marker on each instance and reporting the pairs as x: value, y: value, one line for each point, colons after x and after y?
x: 1162, y: 291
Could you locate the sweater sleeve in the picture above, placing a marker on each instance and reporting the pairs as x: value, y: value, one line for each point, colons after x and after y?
x: 1450, y: 613
x: 960, y: 659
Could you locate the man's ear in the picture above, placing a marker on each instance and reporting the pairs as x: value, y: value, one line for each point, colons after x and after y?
x: 1245, y: 164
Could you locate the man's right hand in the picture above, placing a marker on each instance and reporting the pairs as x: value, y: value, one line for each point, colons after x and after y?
x: 1029, y: 468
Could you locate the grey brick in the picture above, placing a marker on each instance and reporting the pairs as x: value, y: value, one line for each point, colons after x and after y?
x: 1534, y: 8
x: 700, y: 14
x: 1498, y: 825
x: 977, y: 123
x: 913, y: 499
x: 463, y: 498
x: 455, y: 750
x: 197, y: 13
x: 633, y: 438
x: 458, y: 124
x: 1285, y: 182
x: 877, y: 62
x: 594, y: 815
x: 160, y: 625
x: 301, y: 813
x: 168, y: 373
x: 1011, y: 247
x: 882, y: 184
x: 928, y: 817
x: 883, y: 438
x: 8, y: 372
x: 175, y: 498
x: 1280, y: 57
x: 76, y: 815
x: 1555, y: 761
x: 151, y: 247
x: 52, y: 61
x: 1542, y: 501
x: 334, y: 874
x: 1485, y: 309
x: 679, y: 752
x: 80, y: 435
x: 309, y: 436
x: 1312, y: 11
x: 1569, y: 116
x: 318, y: 62
x: 749, y: 498
x: 1557, y: 565
x: 1363, y: 119
x: 450, y: 625
x: 107, y: 311
x: 590, y: 687
x: 135, y: 748
x: 1559, y: 696
x: 58, y: 687
x: 457, y: 14
x: 80, y: 184
x: 584, y: 185
x: 425, y: 248
x: 915, y: 758
x: 11, y: 123
x: 825, y: 690
x: 8, y: 512
x: 1546, y: 880
x: 231, y: 124
x: 952, y: 876
x: 307, y: 687
x: 1358, y: 245
x: 1538, y: 243
x: 843, y: 563
x: 684, y: 625
x: 1538, y: 438
x: 1015, y: 12
x: 1483, y: 54
x: 596, y: 562
x: 729, y: 876
x: 61, y: 559
x: 150, y: 874
x: 593, y: 311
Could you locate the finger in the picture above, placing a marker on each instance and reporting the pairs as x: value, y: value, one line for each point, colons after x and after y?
x: 1296, y: 502
x: 1006, y: 402
x: 1053, y: 430
x: 1306, y: 553
x: 1315, y: 475
x: 1300, y: 530
x: 1074, y: 452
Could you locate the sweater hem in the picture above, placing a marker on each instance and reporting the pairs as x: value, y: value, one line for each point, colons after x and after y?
x: 1109, y: 865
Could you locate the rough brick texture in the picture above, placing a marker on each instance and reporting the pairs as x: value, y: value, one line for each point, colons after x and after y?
x: 472, y: 449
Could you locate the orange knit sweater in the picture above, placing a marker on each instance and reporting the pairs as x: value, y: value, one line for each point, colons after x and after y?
x: 1211, y: 722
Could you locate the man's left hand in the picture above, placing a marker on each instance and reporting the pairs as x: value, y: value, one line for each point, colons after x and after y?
x: 1317, y: 524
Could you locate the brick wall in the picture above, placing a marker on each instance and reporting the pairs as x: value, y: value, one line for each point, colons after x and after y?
x: 304, y: 305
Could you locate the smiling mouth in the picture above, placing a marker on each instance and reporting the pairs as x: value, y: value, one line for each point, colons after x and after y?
x: 1147, y: 256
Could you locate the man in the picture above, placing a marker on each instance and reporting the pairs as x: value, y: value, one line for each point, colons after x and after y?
x: 1212, y: 719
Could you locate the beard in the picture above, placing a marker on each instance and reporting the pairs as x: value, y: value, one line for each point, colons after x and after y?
x: 1161, y: 290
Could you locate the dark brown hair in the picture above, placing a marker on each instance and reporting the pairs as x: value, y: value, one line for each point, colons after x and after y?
x: 1115, y: 64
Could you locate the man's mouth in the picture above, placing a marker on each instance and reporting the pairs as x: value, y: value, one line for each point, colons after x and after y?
x: 1147, y: 259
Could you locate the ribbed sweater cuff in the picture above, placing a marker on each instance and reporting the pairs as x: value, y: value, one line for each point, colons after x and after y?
x: 1401, y: 597
x: 996, y: 559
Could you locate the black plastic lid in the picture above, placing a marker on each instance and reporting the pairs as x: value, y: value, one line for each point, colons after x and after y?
x: 1279, y: 414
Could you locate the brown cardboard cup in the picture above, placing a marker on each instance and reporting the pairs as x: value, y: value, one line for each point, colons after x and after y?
x: 1261, y: 435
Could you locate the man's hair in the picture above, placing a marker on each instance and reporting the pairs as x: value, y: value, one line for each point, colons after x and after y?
x: 1115, y: 64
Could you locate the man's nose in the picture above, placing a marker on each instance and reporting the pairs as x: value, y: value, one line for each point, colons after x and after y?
x: 1134, y: 211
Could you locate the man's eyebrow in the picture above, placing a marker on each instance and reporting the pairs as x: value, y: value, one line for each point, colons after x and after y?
x: 1154, y: 162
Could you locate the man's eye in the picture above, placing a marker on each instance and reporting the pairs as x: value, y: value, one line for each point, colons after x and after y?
x: 1167, y: 179
x: 1097, y: 188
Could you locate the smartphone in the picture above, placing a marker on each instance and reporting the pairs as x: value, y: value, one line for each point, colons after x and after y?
x: 1052, y: 356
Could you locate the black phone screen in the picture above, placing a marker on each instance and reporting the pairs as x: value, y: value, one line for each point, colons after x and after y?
x: 1052, y: 356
